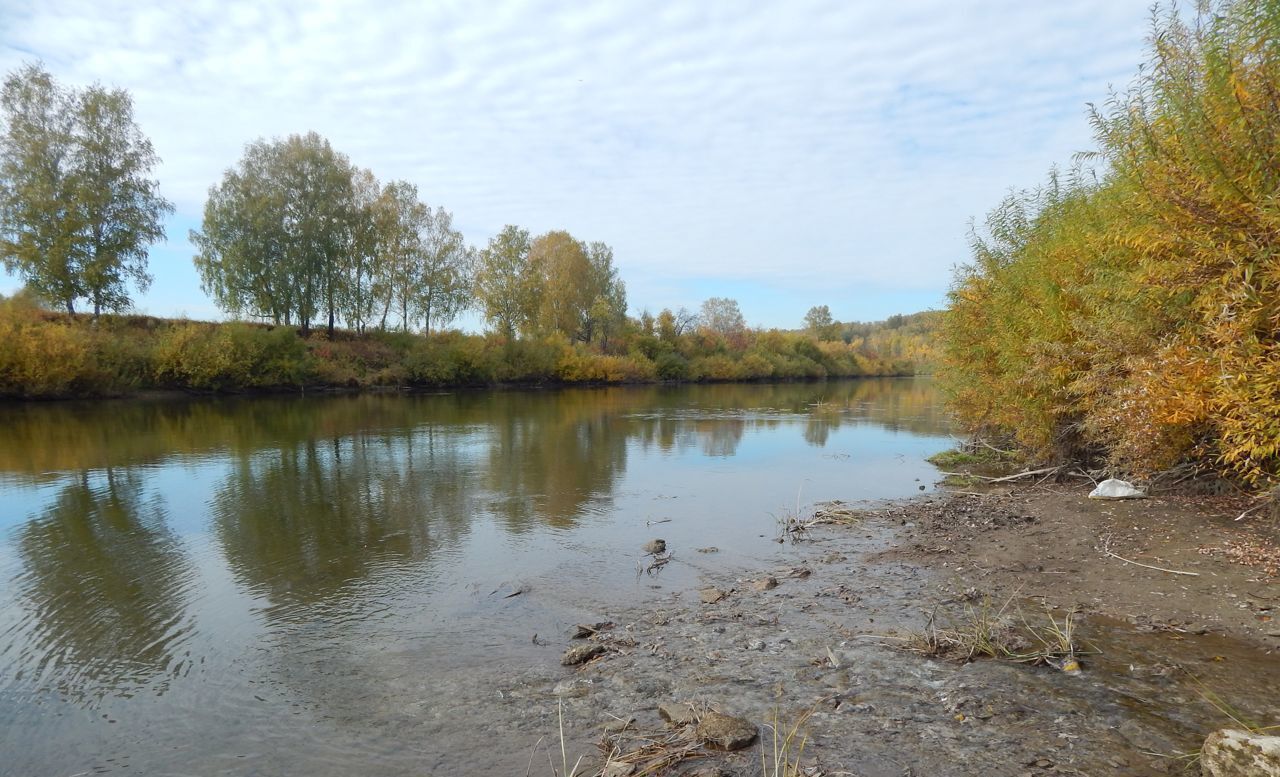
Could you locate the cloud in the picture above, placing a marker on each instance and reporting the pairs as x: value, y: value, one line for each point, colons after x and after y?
x: 750, y: 142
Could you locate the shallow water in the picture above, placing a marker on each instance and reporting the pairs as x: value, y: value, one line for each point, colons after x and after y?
x: 229, y: 586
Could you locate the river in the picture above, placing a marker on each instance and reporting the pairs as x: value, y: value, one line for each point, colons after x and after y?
x: 217, y: 586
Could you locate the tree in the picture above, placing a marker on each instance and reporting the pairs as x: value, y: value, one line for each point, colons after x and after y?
x: 360, y: 300
x: 77, y: 204
x: 279, y: 231
x: 722, y: 316
x: 501, y: 282
x: 573, y: 288
x: 399, y: 222
x: 820, y: 324
x: 448, y: 266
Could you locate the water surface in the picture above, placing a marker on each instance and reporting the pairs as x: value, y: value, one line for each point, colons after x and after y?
x: 225, y: 586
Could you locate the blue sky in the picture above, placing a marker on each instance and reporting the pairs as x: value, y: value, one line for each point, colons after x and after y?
x: 786, y: 154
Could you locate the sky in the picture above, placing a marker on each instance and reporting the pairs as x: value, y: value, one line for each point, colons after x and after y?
x: 785, y: 154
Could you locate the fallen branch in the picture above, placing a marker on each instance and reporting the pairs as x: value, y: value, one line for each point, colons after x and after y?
x: 1148, y: 566
x: 1028, y: 474
x: 1007, y: 478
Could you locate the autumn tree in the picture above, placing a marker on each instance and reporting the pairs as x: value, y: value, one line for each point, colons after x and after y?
x: 78, y: 206
x: 501, y: 283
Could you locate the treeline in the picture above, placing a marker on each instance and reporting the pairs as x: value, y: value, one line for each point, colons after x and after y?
x: 1129, y: 309
x: 340, y: 280
x: 50, y: 354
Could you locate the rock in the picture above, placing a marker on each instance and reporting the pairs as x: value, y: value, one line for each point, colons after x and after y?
x: 655, y: 547
x: 575, y: 686
x: 755, y: 644
x: 709, y: 549
x: 618, y: 770
x: 1235, y: 753
x: 1116, y: 489
x: 725, y: 732
x: 712, y: 595
x: 765, y: 584
x: 580, y: 654
x: 617, y: 725
x: 677, y: 713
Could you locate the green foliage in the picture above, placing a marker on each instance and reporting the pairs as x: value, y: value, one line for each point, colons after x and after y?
x: 219, y: 357
x: 77, y: 205
x: 1132, y: 310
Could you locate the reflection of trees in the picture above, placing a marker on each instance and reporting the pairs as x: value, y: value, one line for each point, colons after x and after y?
x: 107, y: 583
x: 554, y: 460
x: 304, y: 522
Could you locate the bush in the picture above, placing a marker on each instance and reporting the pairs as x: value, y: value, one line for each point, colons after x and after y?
x: 218, y: 357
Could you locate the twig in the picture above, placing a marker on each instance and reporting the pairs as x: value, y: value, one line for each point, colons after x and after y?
x: 1148, y: 566
x: 1251, y: 510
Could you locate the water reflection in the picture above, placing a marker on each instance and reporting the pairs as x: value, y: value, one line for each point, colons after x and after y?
x: 313, y: 509
x: 300, y: 524
x: 106, y: 585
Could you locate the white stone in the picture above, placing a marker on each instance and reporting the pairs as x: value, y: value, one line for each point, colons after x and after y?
x: 1116, y: 489
x: 1235, y: 753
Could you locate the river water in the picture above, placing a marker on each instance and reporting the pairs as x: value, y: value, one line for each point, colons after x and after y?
x: 225, y: 586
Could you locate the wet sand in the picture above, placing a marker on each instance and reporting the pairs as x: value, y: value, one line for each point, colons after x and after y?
x: 827, y: 640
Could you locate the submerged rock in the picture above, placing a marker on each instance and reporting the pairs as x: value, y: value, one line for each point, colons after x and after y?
x: 726, y: 732
x: 765, y: 584
x: 1235, y: 753
x: 655, y: 547
x: 712, y: 595
x: 1116, y: 489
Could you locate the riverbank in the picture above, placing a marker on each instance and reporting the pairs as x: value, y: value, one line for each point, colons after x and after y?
x: 47, y: 355
x: 822, y: 635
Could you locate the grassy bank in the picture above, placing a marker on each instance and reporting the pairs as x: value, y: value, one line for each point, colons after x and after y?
x: 45, y: 355
x: 1128, y: 311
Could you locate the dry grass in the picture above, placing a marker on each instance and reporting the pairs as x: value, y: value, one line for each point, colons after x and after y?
x: 794, y: 524
x: 984, y: 631
x: 784, y: 752
x: 650, y: 752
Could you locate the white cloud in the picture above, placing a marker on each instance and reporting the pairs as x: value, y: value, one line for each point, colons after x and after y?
x: 752, y: 142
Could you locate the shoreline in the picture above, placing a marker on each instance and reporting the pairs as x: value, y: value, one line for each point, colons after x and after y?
x: 821, y: 643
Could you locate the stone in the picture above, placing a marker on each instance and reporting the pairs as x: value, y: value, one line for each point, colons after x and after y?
x: 1116, y: 489
x: 1235, y: 753
x: 709, y: 549
x: 655, y: 547
x: 712, y: 595
x: 725, y: 732
x: 618, y: 770
x: 755, y: 644
x: 765, y: 584
x: 580, y: 654
x: 677, y: 713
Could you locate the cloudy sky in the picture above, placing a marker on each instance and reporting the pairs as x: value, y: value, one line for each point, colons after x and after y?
x: 786, y: 154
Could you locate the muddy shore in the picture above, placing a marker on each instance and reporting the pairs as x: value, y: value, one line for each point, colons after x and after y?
x: 1175, y: 653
